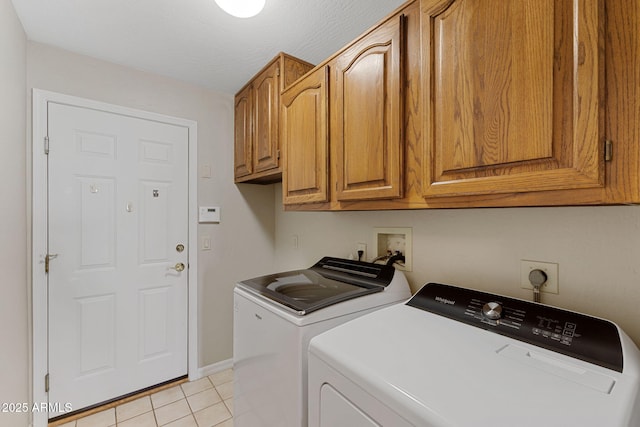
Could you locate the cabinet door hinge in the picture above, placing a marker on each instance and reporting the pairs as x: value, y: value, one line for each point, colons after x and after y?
x: 608, y: 150
x: 46, y: 145
x: 278, y: 71
x: 278, y: 154
x: 46, y: 383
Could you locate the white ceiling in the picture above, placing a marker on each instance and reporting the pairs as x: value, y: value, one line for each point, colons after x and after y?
x: 195, y: 41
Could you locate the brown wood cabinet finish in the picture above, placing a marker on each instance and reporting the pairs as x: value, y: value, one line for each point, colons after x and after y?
x: 243, y: 164
x: 305, y: 139
x: 591, y: 94
x: 257, y: 120
x: 366, y: 123
x: 266, y: 95
x: 515, y: 95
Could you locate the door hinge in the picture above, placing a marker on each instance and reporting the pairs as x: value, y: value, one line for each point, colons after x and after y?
x: 278, y: 154
x: 46, y: 145
x: 47, y: 259
x: 278, y: 71
x: 608, y: 150
x: 46, y: 383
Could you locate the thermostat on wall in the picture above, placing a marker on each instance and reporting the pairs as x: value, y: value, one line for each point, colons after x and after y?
x: 209, y: 214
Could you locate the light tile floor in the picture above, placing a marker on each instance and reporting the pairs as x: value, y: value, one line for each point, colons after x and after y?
x: 207, y: 402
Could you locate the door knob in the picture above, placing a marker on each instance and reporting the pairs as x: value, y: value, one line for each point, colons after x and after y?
x: 178, y: 267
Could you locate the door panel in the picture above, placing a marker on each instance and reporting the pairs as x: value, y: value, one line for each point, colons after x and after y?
x: 266, y: 104
x: 96, y: 321
x: 153, y: 314
x: 154, y: 227
x: 118, y: 195
x: 243, y: 165
x: 507, y: 84
x: 515, y: 96
x: 97, y: 222
x: 367, y: 121
x: 305, y: 140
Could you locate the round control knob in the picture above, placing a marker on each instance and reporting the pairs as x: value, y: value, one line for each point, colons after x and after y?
x: 492, y: 310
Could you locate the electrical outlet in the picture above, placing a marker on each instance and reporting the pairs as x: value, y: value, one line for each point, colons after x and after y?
x: 362, y: 247
x: 549, y: 268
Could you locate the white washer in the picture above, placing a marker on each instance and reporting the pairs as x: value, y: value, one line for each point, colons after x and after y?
x: 458, y: 357
x: 276, y: 316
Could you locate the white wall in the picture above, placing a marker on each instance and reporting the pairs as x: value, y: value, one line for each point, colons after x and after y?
x: 597, y: 249
x: 14, y: 373
x: 242, y: 244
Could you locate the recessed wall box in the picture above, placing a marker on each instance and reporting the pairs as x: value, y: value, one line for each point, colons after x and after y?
x: 209, y: 214
x: 393, y: 241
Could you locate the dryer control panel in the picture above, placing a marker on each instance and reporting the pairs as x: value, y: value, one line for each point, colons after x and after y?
x: 577, y: 335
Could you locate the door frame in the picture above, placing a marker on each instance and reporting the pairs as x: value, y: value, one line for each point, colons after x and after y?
x: 39, y: 233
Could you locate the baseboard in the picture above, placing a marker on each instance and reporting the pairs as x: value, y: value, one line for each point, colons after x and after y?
x: 213, y: 368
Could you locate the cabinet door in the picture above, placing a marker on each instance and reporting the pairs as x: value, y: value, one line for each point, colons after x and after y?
x: 266, y: 103
x: 514, y: 96
x: 367, y: 118
x: 305, y: 140
x: 242, y: 134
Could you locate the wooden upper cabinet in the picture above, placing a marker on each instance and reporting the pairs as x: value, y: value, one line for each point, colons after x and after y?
x: 304, y: 138
x: 257, y: 120
x: 266, y: 98
x: 366, y: 115
x: 242, y: 122
x: 514, y: 96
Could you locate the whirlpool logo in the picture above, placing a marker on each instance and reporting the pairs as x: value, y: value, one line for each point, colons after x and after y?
x: 445, y: 301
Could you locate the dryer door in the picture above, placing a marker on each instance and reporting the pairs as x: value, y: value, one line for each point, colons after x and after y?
x: 336, y: 410
x: 336, y: 401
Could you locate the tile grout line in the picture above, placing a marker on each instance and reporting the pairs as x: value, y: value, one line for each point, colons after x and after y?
x: 115, y: 403
x: 210, y: 385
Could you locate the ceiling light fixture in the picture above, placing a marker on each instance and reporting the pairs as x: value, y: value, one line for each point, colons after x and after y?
x: 241, y: 8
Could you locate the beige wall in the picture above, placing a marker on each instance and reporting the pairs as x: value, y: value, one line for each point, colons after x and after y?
x: 14, y: 357
x: 597, y: 249
x: 242, y: 244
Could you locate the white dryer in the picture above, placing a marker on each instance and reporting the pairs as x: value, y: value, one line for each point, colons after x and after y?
x: 276, y: 316
x: 457, y: 357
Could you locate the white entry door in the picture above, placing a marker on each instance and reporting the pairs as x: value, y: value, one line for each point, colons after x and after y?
x: 118, y: 229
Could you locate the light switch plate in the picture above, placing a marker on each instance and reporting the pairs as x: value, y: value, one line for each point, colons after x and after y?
x: 205, y: 170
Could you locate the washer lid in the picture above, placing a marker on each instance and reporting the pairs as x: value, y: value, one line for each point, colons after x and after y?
x: 330, y: 281
x: 435, y: 371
